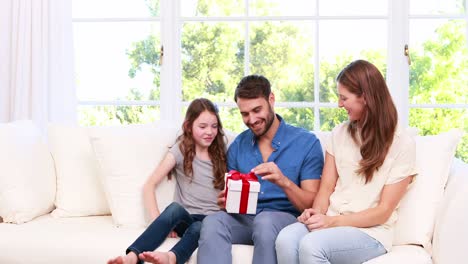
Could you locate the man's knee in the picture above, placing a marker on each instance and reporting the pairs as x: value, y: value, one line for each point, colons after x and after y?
x: 272, y: 222
x: 212, y: 223
x: 265, y: 220
x: 264, y: 228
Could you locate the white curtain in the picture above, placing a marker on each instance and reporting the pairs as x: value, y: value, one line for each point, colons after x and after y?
x: 36, y: 68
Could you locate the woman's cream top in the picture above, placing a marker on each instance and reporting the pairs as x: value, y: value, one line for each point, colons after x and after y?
x: 351, y: 194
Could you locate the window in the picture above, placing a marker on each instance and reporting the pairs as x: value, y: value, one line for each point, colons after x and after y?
x: 438, y: 82
x: 300, y: 45
x: 117, y: 45
x: 293, y: 43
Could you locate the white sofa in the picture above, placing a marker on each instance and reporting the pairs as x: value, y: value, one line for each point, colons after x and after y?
x: 56, y: 199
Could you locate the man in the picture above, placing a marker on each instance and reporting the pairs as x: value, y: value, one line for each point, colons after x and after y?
x: 288, y: 162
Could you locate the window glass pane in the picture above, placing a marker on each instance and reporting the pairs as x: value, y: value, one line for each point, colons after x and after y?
x: 331, y: 117
x: 117, y: 115
x: 301, y: 117
x: 355, y: 7
x: 117, y: 60
x: 230, y: 117
x: 283, y: 52
x: 432, y: 7
x: 211, y: 60
x: 207, y: 8
x: 462, y: 149
x: 435, y: 121
x: 358, y: 39
x: 282, y: 7
x: 328, y: 72
x: 115, y: 8
x: 439, y: 69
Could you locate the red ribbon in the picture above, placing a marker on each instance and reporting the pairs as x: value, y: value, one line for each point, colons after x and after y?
x: 235, y: 175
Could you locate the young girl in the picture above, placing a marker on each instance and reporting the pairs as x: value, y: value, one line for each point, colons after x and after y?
x: 199, y: 161
x: 369, y: 164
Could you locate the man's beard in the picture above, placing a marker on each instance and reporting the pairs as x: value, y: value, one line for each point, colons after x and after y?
x: 268, y: 123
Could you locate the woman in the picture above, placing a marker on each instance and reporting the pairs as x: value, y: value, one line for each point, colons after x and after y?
x: 369, y: 165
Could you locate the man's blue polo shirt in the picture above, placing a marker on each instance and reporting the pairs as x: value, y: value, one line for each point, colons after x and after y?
x: 296, y: 151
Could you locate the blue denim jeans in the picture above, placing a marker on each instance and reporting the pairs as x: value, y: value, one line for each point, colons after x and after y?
x: 176, y: 218
x: 221, y: 230
x: 337, y: 245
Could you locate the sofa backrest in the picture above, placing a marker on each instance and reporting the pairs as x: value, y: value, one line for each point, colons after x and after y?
x: 109, y: 165
x: 112, y: 164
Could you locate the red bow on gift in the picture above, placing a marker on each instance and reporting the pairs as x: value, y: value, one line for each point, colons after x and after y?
x: 235, y: 175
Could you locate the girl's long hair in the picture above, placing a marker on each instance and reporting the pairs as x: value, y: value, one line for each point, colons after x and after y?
x: 217, y: 149
x: 377, y: 126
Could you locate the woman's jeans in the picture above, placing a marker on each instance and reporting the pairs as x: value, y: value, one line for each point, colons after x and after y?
x: 337, y: 245
x: 176, y: 218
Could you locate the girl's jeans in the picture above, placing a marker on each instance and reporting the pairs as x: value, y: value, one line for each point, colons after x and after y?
x: 176, y: 218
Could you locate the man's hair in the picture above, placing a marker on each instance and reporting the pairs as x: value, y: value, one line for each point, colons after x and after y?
x: 253, y: 86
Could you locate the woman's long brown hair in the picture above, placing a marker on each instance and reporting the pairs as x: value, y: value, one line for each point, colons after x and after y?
x: 217, y: 149
x: 378, y: 123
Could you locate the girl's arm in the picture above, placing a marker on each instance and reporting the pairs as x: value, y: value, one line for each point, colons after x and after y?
x: 389, y: 199
x: 149, y: 196
x: 327, y: 186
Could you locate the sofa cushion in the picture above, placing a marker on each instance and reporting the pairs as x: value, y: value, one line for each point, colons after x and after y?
x: 71, y: 240
x: 451, y: 232
x: 27, y: 176
x: 79, y: 191
x: 417, y: 211
x: 78, y: 240
x: 127, y: 156
x: 403, y: 254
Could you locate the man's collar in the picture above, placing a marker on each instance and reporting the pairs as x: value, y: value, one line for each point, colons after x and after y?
x: 275, y: 142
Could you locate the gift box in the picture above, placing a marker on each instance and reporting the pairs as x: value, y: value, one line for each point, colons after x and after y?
x: 241, y: 192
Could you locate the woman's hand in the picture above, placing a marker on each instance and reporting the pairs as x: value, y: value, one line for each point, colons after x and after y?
x: 318, y: 221
x: 305, y: 215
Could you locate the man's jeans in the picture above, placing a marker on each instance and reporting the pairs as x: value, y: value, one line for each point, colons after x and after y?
x: 176, y: 218
x: 337, y: 245
x: 221, y: 230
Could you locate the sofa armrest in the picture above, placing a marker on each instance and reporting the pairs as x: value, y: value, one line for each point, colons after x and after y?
x: 403, y: 254
x: 451, y: 232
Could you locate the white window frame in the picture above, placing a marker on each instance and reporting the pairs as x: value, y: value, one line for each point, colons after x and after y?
x: 171, y: 103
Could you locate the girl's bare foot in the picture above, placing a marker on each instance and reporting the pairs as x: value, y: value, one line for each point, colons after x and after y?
x: 158, y: 257
x: 130, y: 258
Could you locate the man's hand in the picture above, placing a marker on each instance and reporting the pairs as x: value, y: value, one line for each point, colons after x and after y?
x: 270, y: 172
x: 221, y: 199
